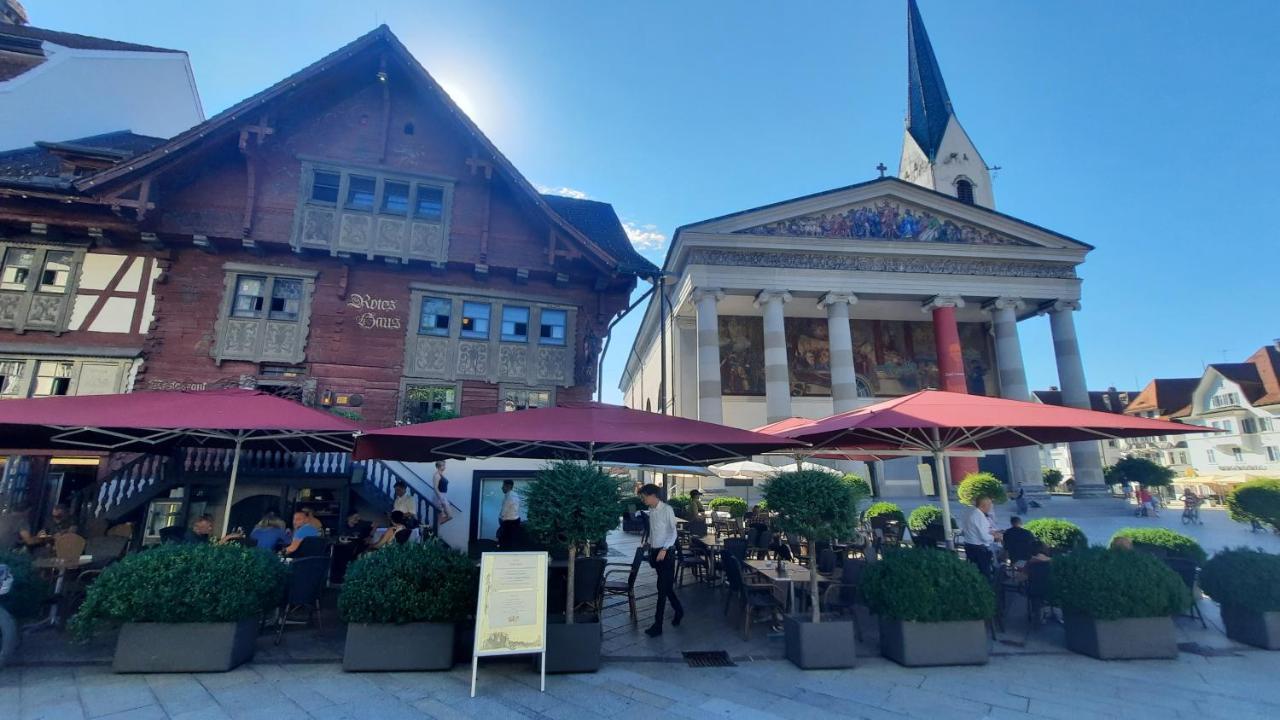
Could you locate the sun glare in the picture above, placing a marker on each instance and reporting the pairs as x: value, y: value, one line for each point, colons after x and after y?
x: 460, y: 98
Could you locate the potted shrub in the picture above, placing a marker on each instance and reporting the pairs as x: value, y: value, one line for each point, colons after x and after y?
x: 1059, y: 536
x: 1256, y: 502
x: 1117, y: 604
x: 1052, y: 478
x: 1172, y: 544
x: 925, y: 523
x: 183, y: 608
x: 572, y: 504
x: 976, y: 486
x: 735, y: 506
x: 402, y: 604
x: 1246, y: 584
x: 933, y: 608
x: 885, y: 512
x: 679, y: 504
x: 820, y: 506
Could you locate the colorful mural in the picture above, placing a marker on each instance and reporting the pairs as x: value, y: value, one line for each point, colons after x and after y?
x: 891, y: 357
x: 884, y: 221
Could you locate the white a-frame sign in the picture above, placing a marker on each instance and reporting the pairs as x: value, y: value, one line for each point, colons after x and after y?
x: 511, y: 612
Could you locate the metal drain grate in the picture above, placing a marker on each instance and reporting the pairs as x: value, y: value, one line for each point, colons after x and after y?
x: 703, y: 659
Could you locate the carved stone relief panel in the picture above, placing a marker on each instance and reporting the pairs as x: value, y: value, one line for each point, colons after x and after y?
x: 356, y: 230
x: 473, y: 359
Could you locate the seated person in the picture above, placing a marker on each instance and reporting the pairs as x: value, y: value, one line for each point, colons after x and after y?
x: 695, y: 505
x: 201, y: 531
x: 270, y: 533
x: 396, y: 531
x: 303, y: 528
x: 1019, y: 543
x: 1121, y: 542
x: 15, y: 528
x: 357, y: 528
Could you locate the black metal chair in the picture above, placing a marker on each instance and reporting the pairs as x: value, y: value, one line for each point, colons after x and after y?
x: 689, y: 554
x: 760, y: 547
x: 752, y: 597
x: 842, y: 597
x: 628, y: 588
x: 1188, y: 571
x: 307, y: 577
x: 172, y: 534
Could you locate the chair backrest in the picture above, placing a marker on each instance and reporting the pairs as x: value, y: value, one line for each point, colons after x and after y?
x: 850, y: 577
x: 312, y: 547
x: 1037, y: 579
x: 764, y: 538
x: 736, y: 548
x: 636, y: 561
x: 306, y: 580
x: 106, y: 548
x: 826, y: 560
x: 733, y: 572
x: 172, y: 534
x: 68, y: 546
x: 588, y: 579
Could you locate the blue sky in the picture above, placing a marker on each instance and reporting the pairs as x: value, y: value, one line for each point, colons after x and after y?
x: 1144, y: 127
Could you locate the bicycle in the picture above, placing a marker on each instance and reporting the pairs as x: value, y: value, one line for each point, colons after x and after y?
x: 1191, y: 516
x: 8, y: 626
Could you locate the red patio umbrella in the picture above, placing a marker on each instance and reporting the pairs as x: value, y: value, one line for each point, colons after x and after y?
x: 154, y: 421
x: 590, y: 431
x: 937, y: 422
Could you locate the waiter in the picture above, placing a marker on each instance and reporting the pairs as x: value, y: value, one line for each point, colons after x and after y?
x: 662, y: 555
x: 509, y: 517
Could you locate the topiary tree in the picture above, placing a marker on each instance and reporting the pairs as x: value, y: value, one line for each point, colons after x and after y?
x: 1058, y: 535
x: 1243, y: 578
x: 927, y: 586
x: 679, y: 504
x: 735, y: 506
x: 1113, y: 584
x: 886, y: 510
x: 1174, y: 544
x: 1138, y: 471
x: 1256, y: 500
x: 922, y: 517
x: 861, y: 488
x: 818, y: 505
x: 572, y: 504
x: 1052, y: 478
x: 976, y: 486
x: 415, y: 582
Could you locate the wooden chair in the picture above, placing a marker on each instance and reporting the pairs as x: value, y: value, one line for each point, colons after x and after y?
x: 68, y: 547
x: 628, y: 588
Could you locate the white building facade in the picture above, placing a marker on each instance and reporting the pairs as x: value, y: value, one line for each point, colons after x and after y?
x: 1235, y: 399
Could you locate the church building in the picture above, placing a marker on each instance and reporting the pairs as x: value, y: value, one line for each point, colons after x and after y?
x: 826, y: 302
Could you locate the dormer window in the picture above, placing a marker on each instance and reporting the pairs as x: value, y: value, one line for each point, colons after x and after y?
x: 964, y: 191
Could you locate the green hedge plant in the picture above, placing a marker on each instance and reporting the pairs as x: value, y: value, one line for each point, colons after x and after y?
x: 1114, y: 584
x: 979, y: 485
x: 818, y: 505
x: 922, y: 517
x: 183, y: 584
x: 927, y: 586
x: 27, y: 598
x: 1256, y: 500
x: 1174, y: 544
x: 1052, y: 478
x: 735, y: 506
x: 679, y: 504
x: 1058, y: 535
x: 1243, y: 578
x: 415, y: 582
x: 886, y: 510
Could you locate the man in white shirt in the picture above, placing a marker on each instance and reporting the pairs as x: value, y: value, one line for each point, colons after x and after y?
x: 978, y: 536
x: 662, y: 555
x: 404, y: 502
x: 509, y: 517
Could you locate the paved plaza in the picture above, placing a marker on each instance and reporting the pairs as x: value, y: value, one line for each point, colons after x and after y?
x: 1031, y: 674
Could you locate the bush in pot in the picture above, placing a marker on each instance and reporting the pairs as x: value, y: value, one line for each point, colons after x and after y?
x: 572, y: 504
x: 884, y: 511
x: 1256, y: 501
x: 1117, y: 603
x: 1172, y: 544
x: 402, y: 603
x: 183, y: 608
x: 1246, y: 584
x: 925, y: 523
x: 819, y: 506
x: 976, y: 486
x: 933, y: 608
x: 1058, y: 536
x: 735, y: 506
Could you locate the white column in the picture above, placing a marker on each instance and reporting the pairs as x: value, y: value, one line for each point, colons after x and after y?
x: 710, y: 407
x: 1024, y: 462
x: 844, y: 378
x: 1086, y: 460
x: 686, y: 394
x: 777, y: 379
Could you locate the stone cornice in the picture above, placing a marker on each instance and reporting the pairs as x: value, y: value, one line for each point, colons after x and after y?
x: 871, y: 263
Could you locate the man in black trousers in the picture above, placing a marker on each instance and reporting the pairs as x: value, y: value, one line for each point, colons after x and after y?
x: 662, y: 555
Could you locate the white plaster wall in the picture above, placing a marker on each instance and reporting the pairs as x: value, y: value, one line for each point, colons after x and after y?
x: 957, y: 157
x: 457, y: 532
x: 76, y: 93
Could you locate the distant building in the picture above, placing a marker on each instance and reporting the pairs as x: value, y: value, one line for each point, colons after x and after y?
x: 1243, y: 400
x: 1163, y: 399
x: 1058, y: 455
x: 56, y: 86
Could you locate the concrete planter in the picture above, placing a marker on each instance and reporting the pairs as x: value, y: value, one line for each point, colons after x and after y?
x: 817, y: 646
x: 573, y: 648
x: 378, y: 647
x: 184, y: 647
x: 917, y: 644
x: 1252, y: 628
x: 1124, y: 639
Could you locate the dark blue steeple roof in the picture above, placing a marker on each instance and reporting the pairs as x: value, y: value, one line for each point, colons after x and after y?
x: 928, y: 105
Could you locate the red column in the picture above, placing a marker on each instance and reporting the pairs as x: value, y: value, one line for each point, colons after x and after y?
x: 951, y: 375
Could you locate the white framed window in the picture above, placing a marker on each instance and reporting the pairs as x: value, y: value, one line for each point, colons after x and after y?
x: 475, y: 320
x: 1237, y: 454
x: 515, y: 323
x: 53, y: 377
x: 523, y: 398
x: 551, y: 326
x: 434, y: 316
x: 1249, y: 425
x: 1273, y: 453
x: 1265, y: 424
x: 1213, y: 457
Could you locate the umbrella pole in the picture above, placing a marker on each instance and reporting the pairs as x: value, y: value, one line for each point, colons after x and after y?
x: 231, y: 488
x: 944, y: 489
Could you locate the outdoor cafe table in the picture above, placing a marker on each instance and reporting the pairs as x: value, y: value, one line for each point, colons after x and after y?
x: 795, y: 573
x: 59, y: 567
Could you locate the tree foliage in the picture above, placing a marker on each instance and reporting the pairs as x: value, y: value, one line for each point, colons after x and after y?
x: 976, y: 486
x: 1052, y: 477
x: 27, y: 597
x: 415, y: 582
x: 1256, y: 500
x: 1138, y: 471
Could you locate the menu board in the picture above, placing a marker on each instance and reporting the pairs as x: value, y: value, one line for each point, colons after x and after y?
x: 511, y: 612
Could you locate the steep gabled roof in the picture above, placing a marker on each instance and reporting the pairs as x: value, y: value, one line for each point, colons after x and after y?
x: 928, y: 104
x: 598, y: 221
x: 1109, y: 401
x: 227, y: 120
x: 39, y: 165
x: 1267, y: 360
x: 1168, y: 397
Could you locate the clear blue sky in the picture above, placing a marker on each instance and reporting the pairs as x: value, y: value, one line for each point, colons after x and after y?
x: 1146, y: 128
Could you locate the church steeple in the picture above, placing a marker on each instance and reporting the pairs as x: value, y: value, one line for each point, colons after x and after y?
x: 936, y: 151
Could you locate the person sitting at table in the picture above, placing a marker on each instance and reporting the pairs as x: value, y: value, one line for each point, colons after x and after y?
x: 1019, y: 543
x: 303, y: 528
x: 978, y: 536
x: 358, y: 529
x: 59, y: 522
x: 396, y: 532
x: 695, y: 505
x: 270, y: 533
x: 200, y: 532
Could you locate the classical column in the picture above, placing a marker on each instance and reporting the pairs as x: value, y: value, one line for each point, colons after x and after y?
x: 777, y: 379
x: 1024, y: 462
x: 710, y: 407
x: 686, y: 395
x: 844, y: 378
x: 951, y: 375
x: 1086, y: 460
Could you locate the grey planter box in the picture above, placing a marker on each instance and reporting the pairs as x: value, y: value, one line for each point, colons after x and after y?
x: 1124, y: 639
x: 817, y: 646
x: 573, y: 648
x: 1252, y: 628
x: 388, y: 648
x: 184, y: 647
x: 917, y: 644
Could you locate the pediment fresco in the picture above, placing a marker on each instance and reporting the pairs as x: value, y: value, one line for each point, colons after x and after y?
x: 885, y: 220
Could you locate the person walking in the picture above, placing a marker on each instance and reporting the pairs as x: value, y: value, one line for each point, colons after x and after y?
x: 509, y: 517
x: 1020, y: 497
x: 662, y: 556
x: 442, y: 490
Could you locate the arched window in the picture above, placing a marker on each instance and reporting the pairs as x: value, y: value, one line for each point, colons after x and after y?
x: 964, y: 190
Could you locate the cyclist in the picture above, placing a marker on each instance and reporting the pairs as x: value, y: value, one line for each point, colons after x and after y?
x: 1191, y: 508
